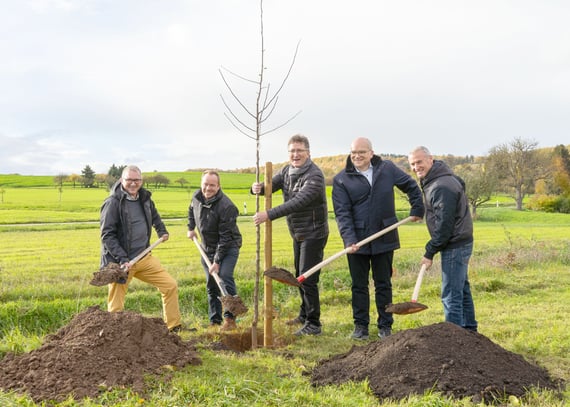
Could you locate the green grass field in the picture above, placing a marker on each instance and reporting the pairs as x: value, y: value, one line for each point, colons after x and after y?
x: 50, y: 248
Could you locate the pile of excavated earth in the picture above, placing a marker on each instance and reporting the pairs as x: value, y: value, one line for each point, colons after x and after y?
x: 95, y: 352
x: 442, y: 358
x: 98, y: 351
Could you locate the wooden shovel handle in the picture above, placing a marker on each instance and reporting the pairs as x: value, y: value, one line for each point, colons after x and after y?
x: 209, y: 264
x: 416, y: 292
x: 145, y: 251
x: 335, y: 256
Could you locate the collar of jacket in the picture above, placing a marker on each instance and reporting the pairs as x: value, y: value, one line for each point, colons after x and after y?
x: 207, y: 203
x: 438, y: 169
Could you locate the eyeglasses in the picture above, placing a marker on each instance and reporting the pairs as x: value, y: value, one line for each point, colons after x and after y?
x: 359, y: 152
x: 297, y: 151
x: 133, y: 180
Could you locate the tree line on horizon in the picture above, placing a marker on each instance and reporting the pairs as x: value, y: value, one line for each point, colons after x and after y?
x: 517, y: 168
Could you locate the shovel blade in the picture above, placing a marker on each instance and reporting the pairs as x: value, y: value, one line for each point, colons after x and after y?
x: 404, y: 308
x: 111, y: 273
x: 233, y: 304
x: 282, y: 275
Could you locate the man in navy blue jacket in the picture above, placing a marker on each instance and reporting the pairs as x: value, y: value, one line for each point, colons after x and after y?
x: 364, y: 203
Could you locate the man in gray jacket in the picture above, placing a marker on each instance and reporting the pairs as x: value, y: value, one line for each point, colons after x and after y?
x: 451, y: 229
x: 127, y: 218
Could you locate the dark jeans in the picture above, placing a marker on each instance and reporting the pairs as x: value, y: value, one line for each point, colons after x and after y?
x: 226, y: 274
x: 359, y: 265
x: 308, y: 253
x: 456, y: 295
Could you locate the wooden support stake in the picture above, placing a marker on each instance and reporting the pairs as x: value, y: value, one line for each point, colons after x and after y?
x: 268, y: 250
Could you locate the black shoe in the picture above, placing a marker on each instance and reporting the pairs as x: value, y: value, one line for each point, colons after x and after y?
x: 309, y: 329
x: 296, y: 321
x: 360, y: 332
x: 384, y: 332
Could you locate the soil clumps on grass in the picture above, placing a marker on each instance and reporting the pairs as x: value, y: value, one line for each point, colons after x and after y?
x: 95, y: 352
x: 442, y: 357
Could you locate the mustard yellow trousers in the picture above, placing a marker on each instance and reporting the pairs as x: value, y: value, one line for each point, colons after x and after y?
x: 149, y: 270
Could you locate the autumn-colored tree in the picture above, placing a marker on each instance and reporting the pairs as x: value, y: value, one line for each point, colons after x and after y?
x: 480, y: 184
x: 561, y: 170
x: 517, y: 166
x: 74, y: 179
x: 100, y: 179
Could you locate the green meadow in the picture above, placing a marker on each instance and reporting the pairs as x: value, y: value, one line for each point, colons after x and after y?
x: 520, y: 275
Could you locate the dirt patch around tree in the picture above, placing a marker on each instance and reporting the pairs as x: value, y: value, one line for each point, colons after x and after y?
x: 442, y: 357
x: 95, y: 352
x: 241, y: 340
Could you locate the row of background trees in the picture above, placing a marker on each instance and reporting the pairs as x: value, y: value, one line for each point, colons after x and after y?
x: 516, y: 169
x: 90, y: 179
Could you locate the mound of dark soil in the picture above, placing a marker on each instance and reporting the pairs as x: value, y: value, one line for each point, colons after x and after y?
x: 442, y: 357
x: 96, y: 351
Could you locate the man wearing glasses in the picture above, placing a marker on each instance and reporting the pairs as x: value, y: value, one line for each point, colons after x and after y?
x: 305, y: 206
x: 127, y: 218
x: 363, y: 200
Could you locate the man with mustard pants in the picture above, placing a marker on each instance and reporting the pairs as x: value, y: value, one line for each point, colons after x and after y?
x: 127, y: 218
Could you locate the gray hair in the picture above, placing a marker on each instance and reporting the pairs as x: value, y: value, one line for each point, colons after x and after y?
x: 299, y: 138
x: 421, y: 148
x: 130, y: 168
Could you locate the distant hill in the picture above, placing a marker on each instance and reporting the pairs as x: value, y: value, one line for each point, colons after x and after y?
x: 333, y: 164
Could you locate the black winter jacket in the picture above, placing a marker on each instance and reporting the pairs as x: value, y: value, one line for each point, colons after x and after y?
x: 447, y: 210
x: 216, y: 222
x: 304, y: 202
x: 115, y: 227
x: 362, y: 210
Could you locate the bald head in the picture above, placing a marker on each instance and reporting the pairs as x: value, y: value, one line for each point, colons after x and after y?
x: 361, y: 153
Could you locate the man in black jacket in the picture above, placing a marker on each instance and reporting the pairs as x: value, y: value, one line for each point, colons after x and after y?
x: 364, y: 203
x: 215, y: 217
x: 451, y: 229
x: 127, y: 218
x: 305, y: 206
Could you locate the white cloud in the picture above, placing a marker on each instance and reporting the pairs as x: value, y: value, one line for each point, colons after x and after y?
x: 106, y: 82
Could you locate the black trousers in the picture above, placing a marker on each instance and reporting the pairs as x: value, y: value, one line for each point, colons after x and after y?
x: 308, y: 253
x: 381, y: 264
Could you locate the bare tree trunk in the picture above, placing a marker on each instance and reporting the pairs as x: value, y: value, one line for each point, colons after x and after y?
x: 265, y: 105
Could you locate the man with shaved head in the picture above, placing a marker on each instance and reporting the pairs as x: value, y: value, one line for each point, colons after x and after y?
x: 364, y: 203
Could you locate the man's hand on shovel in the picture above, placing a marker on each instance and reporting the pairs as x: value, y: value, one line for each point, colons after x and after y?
x: 115, y: 273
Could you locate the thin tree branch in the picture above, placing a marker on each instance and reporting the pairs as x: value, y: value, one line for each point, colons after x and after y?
x: 234, y: 95
x: 278, y: 127
x: 289, y: 71
x: 234, y: 116
x: 237, y: 128
x: 243, y: 78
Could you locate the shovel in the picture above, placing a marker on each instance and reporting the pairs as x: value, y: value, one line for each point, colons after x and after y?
x: 115, y: 273
x: 232, y: 303
x: 413, y: 306
x: 286, y: 277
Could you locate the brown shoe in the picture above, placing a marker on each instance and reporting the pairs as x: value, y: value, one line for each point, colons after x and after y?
x: 229, y: 324
x: 295, y: 321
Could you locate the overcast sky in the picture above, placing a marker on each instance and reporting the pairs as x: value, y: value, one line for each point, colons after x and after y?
x: 101, y: 82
